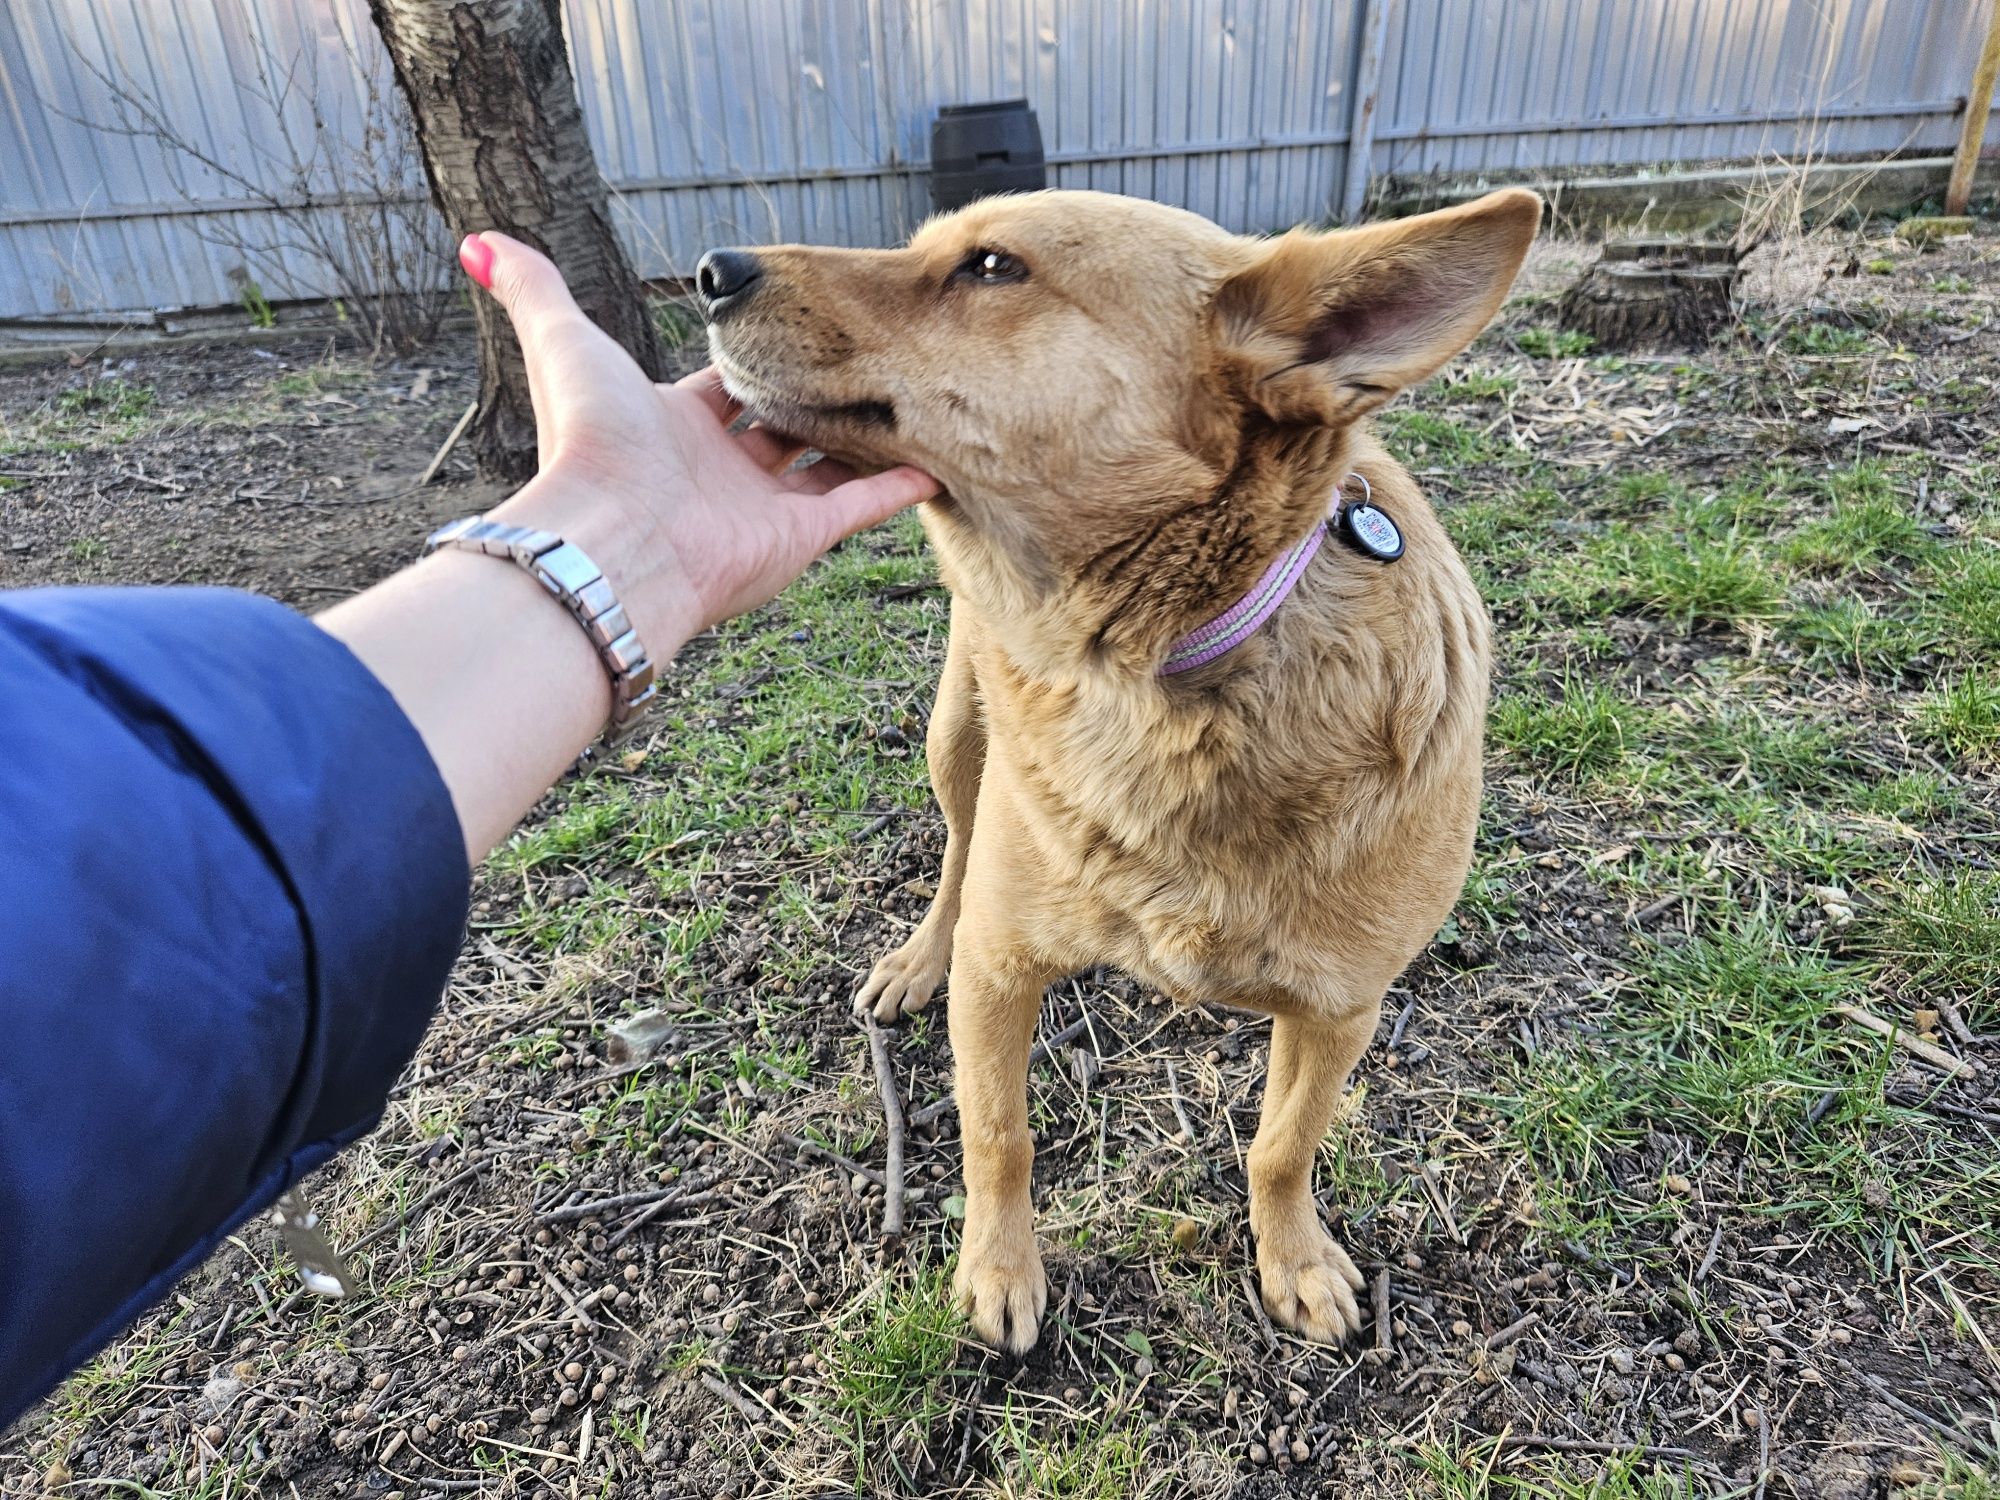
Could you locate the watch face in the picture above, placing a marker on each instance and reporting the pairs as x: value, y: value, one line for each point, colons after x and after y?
x: 1370, y: 530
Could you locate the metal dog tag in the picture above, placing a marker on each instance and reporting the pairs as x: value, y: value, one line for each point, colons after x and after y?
x: 1368, y: 530
x: 320, y: 1266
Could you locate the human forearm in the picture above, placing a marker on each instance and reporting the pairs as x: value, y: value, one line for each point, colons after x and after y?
x: 493, y: 671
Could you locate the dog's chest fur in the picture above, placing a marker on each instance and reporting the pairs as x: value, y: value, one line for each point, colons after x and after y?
x: 1279, y: 830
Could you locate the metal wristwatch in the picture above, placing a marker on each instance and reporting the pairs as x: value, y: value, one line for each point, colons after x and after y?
x: 565, y: 571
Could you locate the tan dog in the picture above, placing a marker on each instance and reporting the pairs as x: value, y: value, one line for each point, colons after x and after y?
x: 1133, y: 413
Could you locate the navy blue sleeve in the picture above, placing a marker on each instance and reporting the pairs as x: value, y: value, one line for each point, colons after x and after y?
x: 232, y: 885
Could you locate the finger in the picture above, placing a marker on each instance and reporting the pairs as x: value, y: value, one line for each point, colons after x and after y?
x: 817, y: 478
x: 527, y: 284
x: 861, y: 503
x: 705, y: 385
x: 770, y: 451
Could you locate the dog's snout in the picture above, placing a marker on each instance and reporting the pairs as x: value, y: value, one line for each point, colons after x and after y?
x: 725, y: 279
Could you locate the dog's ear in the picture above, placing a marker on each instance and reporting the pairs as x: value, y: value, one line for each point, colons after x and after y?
x: 1324, y: 327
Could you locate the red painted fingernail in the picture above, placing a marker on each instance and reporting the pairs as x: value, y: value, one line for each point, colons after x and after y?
x: 477, y: 258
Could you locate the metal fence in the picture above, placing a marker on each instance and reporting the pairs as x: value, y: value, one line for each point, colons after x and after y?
x: 750, y: 120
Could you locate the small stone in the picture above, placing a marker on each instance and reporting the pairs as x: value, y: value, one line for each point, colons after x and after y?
x: 597, y: 1392
x: 379, y: 1382
x: 214, y: 1433
x: 632, y: 1273
x: 569, y: 1396
x: 1675, y: 1362
x: 1142, y: 1367
x: 1300, y: 1452
x: 1259, y: 1454
x: 1231, y: 1398
x: 1187, y: 1234
x: 1460, y: 1328
x: 731, y: 1321
x: 1621, y: 1361
x: 461, y: 1354
x: 1678, y: 1185
x: 710, y: 1294
x: 540, y: 1416
x: 1752, y: 1418
x: 572, y: 1372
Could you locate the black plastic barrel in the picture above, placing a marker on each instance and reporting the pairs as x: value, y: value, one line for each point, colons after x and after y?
x: 979, y: 149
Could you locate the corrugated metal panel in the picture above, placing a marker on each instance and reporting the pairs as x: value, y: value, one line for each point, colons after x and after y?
x: 720, y: 121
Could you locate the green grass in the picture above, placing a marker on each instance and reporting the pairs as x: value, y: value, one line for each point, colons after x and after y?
x: 1063, y: 1458
x: 1962, y: 718
x: 1864, y: 530
x: 107, y: 402
x: 1475, y: 1470
x: 1961, y: 593
x: 1554, y: 343
x: 1585, y: 731
x: 1853, y: 634
x: 1697, y: 579
x: 1731, y: 1043
x: 1423, y: 439
x: 1941, y: 940
x: 1825, y: 339
x: 887, y: 1366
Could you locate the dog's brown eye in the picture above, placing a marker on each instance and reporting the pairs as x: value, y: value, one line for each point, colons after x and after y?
x: 992, y: 268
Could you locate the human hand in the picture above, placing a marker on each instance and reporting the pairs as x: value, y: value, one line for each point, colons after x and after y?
x: 690, y: 522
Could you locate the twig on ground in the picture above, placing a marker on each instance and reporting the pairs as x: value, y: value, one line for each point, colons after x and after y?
x: 937, y: 1109
x: 1402, y: 1023
x: 1584, y: 1445
x: 646, y: 1216
x: 1385, y: 1344
x: 1939, y: 1107
x: 965, y: 1438
x: 451, y: 441
x: 1427, y: 1174
x: 892, y: 1117
x: 1502, y: 1337
x: 750, y: 1412
x: 1646, y: 913
x: 1903, y: 1037
x: 1180, y: 1109
x: 470, y: 1170
x: 846, y: 1163
x: 1917, y: 1414
x: 1257, y: 1307
x: 1708, y: 1261
x: 597, y: 1207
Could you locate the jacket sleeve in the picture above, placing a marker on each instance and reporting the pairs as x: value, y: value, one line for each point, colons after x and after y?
x: 232, y: 885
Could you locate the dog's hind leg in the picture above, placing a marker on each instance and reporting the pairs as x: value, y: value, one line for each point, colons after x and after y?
x: 1309, y: 1282
x: 903, y: 981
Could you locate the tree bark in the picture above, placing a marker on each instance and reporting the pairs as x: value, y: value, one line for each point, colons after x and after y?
x: 504, y: 147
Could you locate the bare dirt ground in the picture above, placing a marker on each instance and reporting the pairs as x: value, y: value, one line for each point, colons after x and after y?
x: 1650, y: 1209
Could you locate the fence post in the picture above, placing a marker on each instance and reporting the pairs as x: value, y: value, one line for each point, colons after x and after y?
x: 1978, y: 104
x: 1361, y: 122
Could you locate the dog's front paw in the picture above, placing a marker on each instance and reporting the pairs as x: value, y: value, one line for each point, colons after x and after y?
x: 903, y: 981
x: 1309, y: 1284
x: 1002, y: 1288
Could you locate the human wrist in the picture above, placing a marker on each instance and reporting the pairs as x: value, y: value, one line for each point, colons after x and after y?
x: 627, y: 541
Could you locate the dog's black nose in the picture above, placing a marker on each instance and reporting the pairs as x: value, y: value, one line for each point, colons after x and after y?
x: 725, y: 279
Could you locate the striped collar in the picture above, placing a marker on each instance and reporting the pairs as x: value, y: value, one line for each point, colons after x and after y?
x: 1237, y: 624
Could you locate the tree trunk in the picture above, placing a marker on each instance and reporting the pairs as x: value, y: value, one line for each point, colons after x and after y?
x: 504, y: 146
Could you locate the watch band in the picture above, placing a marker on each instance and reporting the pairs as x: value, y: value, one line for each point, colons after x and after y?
x: 565, y: 571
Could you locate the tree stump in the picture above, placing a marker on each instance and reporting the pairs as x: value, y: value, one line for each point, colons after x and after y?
x: 1653, y: 294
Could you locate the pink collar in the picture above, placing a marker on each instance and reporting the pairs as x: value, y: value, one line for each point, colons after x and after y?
x: 1236, y: 625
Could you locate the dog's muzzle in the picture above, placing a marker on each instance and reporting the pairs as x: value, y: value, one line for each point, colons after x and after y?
x: 725, y: 280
